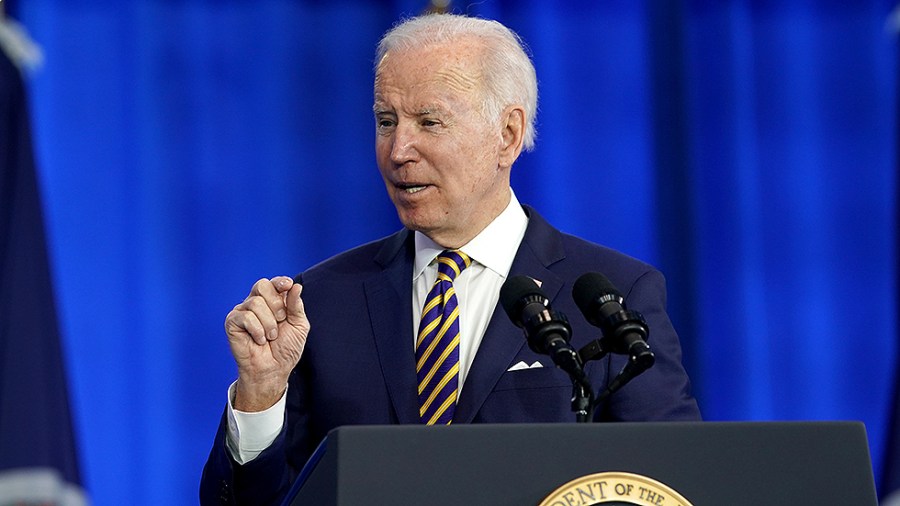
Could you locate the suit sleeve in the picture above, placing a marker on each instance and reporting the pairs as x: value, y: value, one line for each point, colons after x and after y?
x: 663, y: 392
x: 264, y: 480
x: 267, y: 478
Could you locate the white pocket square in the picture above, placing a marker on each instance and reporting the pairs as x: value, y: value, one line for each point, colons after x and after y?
x: 523, y: 365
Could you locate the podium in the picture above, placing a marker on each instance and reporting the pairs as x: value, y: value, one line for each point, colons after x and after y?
x: 707, y: 463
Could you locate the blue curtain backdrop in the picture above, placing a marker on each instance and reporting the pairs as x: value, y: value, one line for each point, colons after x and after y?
x: 188, y: 148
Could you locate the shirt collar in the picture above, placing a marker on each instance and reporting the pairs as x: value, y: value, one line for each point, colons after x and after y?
x: 494, y: 247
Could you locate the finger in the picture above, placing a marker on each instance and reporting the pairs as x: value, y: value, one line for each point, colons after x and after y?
x: 271, y: 292
x: 282, y: 283
x: 262, y: 310
x: 242, y: 321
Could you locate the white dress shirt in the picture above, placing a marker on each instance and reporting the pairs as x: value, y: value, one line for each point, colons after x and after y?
x: 478, y: 286
x: 477, y: 291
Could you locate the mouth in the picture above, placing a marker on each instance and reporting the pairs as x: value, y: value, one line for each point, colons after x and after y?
x: 411, y: 188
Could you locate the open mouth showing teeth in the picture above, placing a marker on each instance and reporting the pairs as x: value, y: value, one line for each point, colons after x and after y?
x: 412, y: 188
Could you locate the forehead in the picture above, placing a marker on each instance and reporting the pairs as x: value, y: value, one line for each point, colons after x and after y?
x: 446, y: 69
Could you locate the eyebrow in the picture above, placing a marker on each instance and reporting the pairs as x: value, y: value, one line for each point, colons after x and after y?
x: 428, y: 110
x: 380, y: 108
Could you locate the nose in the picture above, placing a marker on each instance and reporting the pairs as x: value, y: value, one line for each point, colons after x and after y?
x: 403, y: 144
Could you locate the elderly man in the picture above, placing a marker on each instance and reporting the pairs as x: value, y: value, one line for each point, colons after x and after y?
x: 404, y: 329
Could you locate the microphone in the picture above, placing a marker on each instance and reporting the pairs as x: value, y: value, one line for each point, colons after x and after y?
x: 624, y: 331
x: 547, y: 331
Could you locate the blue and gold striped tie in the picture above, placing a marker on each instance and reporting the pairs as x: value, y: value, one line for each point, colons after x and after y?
x: 437, y: 347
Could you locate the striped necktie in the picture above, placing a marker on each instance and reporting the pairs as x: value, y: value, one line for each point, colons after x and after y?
x: 437, y: 346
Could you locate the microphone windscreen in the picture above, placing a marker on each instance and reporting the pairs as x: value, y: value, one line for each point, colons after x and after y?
x: 589, y: 288
x: 515, y: 293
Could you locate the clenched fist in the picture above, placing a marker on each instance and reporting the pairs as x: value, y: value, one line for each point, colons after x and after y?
x: 267, y: 333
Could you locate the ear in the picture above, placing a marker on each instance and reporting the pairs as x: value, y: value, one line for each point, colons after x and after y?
x: 512, y: 134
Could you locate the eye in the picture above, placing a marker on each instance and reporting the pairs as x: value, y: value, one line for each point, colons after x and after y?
x: 430, y: 122
x: 384, y: 123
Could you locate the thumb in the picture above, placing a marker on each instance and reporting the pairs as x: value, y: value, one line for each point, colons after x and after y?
x: 296, y: 315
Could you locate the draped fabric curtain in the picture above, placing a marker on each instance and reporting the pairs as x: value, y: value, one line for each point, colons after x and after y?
x: 188, y: 148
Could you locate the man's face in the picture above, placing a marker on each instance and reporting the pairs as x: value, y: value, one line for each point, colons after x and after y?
x: 438, y: 155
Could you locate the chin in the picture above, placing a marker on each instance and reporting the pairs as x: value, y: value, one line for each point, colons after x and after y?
x: 417, y: 223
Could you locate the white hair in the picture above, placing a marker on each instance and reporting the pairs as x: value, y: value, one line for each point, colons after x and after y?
x: 509, y: 76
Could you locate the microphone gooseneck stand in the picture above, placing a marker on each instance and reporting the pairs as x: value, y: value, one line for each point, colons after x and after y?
x: 548, y: 332
x: 640, y: 358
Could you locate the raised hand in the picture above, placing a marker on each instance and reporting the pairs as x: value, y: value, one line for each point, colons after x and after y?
x: 267, y: 333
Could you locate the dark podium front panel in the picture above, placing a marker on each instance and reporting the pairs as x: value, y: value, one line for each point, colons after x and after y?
x: 709, y: 464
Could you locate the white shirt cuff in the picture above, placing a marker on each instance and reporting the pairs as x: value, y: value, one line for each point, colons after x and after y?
x: 249, y: 434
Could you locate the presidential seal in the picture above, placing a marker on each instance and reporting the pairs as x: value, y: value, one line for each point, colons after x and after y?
x: 614, y: 489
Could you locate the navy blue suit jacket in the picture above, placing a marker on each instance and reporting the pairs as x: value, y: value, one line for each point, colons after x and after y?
x: 359, y: 363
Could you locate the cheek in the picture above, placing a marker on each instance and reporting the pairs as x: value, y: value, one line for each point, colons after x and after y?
x: 382, y: 148
x: 482, y: 168
x: 383, y: 159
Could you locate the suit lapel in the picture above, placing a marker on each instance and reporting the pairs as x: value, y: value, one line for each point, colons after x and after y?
x: 540, y: 248
x: 389, y: 301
